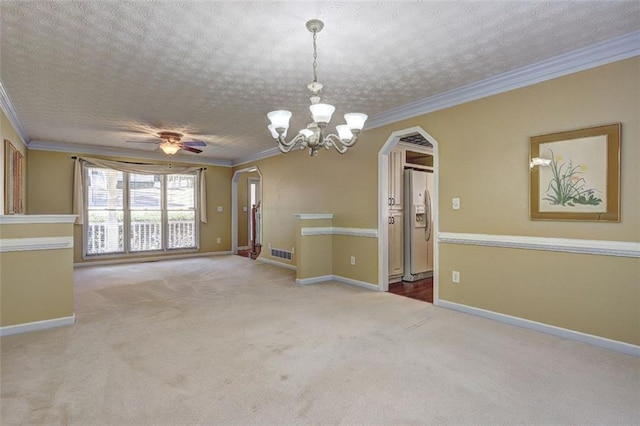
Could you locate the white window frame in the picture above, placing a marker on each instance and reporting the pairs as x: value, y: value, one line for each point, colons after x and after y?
x: 127, y: 219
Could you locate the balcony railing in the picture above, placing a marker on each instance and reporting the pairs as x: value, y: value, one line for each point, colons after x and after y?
x: 145, y: 236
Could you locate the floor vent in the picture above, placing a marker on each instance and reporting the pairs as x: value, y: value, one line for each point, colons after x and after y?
x: 281, y: 254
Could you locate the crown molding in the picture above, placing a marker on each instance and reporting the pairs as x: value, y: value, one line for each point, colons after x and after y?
x: 616, y: 49
x: 10, y: 112
x: 271, y: 152
x: 122, y: 152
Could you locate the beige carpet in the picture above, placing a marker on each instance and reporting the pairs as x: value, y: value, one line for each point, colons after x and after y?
x: 226, y: 340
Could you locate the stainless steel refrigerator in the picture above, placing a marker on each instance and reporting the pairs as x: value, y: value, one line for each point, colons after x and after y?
x: 418, y: 223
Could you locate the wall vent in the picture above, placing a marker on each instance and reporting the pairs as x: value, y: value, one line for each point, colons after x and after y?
x: 416, y: 139
x: 281, y: 254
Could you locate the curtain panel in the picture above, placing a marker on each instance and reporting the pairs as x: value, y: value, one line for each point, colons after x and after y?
x: 144, y: 169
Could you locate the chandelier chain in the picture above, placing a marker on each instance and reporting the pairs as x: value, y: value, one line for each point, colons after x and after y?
x: 315, y: 136
x: 315, y: 57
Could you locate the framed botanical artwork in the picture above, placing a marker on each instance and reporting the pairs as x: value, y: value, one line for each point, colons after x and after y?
x: 13, y: 179
x: 575, y: 175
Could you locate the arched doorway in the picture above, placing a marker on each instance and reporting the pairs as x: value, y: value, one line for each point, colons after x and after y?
x: 384, y: 209
x: 253, y: 190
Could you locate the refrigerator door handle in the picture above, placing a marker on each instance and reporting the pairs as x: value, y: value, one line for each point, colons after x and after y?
x: 427, y: 215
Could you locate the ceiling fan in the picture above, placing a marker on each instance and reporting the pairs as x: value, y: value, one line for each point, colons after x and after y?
x: 171, y: 142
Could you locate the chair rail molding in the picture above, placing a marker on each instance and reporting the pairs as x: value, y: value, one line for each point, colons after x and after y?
x: 333, y: 230
x: 313, y: 216
x: 28, y: 244
x: 21, y: 219
x: 567, y: 245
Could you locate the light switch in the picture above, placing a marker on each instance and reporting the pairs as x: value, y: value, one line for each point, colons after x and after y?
x: 455, y: 203
x: 244, y: 209
x: 219, y: 209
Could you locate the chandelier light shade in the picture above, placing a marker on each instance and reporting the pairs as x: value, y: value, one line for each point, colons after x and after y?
x: 314, y: 136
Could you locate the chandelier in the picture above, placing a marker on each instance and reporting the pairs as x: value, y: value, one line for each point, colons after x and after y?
x: 314, y: 136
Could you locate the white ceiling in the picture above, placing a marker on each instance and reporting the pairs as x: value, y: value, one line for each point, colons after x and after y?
x: 102, y: 73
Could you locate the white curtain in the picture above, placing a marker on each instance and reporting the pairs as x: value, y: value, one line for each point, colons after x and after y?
x: 145, y: 169
x: 203, y: 197
x: 78, y: 192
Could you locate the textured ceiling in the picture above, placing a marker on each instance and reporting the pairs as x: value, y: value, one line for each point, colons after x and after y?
x: 102, y: 73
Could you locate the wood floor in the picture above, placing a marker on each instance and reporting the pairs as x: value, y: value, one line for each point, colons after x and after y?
x: 420, y: 290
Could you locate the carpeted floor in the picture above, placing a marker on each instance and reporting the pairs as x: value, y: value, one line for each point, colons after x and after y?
x: 226, y: 340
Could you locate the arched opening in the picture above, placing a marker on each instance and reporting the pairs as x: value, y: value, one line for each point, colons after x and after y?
x: 241, y: 215
x: 385, y: 210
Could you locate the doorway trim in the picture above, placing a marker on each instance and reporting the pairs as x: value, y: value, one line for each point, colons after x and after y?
x: 234, y: 203
x: 383, y: 207
x: 258, y: 182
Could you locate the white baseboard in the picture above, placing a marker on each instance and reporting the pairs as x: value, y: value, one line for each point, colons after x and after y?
x: 282, y: 265
x: 614, y: 345
x: 150, y: 258
x: 314, y: 280
x: 323, y: 278
x: 37, y: 325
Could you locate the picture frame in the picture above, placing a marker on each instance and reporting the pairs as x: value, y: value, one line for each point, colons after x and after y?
x: 575, y: 175
x: 13, y: 179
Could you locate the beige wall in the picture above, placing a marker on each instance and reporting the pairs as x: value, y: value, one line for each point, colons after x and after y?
x: 7, y: 132
x: 483, y: 159
x: 329, y: 183
x: 50, y: 190
x: 314, y: 253
x: 35, y: 285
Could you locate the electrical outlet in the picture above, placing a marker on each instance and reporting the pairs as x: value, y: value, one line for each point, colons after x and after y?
x: 219, y: 240
x: 455, y: 277
x: 455, y: 203
x: 353, y: 260
x: 220, y: 209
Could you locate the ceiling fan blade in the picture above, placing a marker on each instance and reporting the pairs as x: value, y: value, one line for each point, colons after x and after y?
x: 194, y: 142
x: 145, y: 141
x: 188, y: 148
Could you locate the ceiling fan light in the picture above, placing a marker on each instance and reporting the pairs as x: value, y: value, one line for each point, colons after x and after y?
x: 322, y: 113
x: 169, y: 148
x: 355, y: 120
x: 344, y: 133
x: 280, y: 119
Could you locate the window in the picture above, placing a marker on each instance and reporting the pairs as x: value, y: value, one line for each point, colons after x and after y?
x: 134, y: 213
